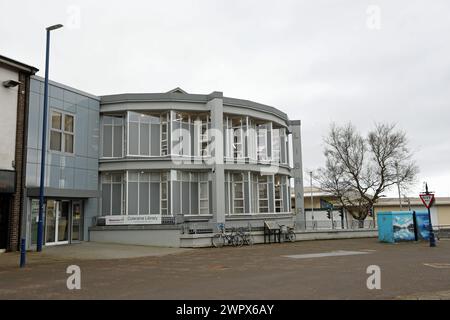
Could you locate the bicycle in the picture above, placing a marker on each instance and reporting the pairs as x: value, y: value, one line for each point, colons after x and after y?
x: 288, y: 233
x: 246, y: 236
x: 222, y: 238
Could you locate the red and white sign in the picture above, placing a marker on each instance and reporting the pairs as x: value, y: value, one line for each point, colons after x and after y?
x: 427, y: 199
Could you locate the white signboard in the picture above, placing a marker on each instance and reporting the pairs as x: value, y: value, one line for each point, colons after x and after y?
x: 124, y: 220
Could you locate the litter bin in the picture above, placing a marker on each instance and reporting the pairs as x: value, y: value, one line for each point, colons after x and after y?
x: 395, y: 226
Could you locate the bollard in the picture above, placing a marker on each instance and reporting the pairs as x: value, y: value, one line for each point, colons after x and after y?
x: 23, y: 253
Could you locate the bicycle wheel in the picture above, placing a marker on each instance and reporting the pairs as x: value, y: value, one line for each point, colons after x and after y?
x: 238, y: 241
x: 249, y: 240
x: 291, y: 236
x: 218, y: 240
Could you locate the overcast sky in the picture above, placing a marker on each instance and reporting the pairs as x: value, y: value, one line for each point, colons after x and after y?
x: 318, y: 61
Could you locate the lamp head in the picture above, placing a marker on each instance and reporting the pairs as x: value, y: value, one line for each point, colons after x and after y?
x: 54, y: 27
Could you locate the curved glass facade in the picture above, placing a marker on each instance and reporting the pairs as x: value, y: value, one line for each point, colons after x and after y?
x: 167, y: 159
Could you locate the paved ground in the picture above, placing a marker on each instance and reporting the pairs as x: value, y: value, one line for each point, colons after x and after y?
x: 87, y: 251
x: 408, y: 271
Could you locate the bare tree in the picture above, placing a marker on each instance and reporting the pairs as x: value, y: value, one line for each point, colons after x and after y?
x: 359, y: 169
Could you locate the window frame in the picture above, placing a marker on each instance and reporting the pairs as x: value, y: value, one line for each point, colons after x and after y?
x: 113, y: 125
x: 62, y: 131
x: 127, y: 138
x: 149, y: 181
x: 267, y: 199
x: 233, y: 189
x: 111, y: 182
x: 282, y: 193
x: 199, y: 181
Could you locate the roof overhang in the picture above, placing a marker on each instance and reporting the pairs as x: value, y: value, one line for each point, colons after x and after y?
x: 16, y: 65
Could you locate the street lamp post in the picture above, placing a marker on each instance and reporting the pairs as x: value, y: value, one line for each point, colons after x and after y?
x: 40, y: 229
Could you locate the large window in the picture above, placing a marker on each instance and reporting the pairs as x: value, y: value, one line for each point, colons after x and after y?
x: 238, y: 193
x: 237, y: 198
x: 256, y: 193
x: 147, y: 193
x: 238, y: 138
x: 279, y: 184
x: 164, y: 194
x: 201, y: 135
x: 112, y: 193
x: 112, y: 145
x: 279, y: 145
x: 276, y: 145
x: 235, y: 129
x: 263, y: 141
x: 190, y: 134
x: 282, y: 194
x: 263, y: 194
x: 251, y: 139
x: 62, y: 132
x: 191, y: 193
x: 145, y: 134
x: 204, y: 193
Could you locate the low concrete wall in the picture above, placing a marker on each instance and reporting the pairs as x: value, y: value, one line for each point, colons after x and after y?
x: 160, y: 238
x: 204, y: 240
x: 172, y: 237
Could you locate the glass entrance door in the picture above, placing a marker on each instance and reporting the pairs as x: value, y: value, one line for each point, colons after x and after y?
x: 76, y: 221
x: 63, y: 221
x: 57, y: 222
x: 50, y: 221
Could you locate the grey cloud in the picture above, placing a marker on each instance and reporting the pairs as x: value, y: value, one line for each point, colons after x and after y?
x: 316, y: 60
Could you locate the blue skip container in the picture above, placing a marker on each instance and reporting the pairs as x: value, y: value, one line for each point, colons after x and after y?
x: 423, y: 225
x: 397, y: 226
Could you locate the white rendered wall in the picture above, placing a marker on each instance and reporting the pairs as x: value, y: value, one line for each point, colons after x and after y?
x: 8, y: 115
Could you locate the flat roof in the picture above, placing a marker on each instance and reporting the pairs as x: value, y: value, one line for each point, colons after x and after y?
x: 63, y: 86
x: 394, y: 202
x: 177, y: 95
